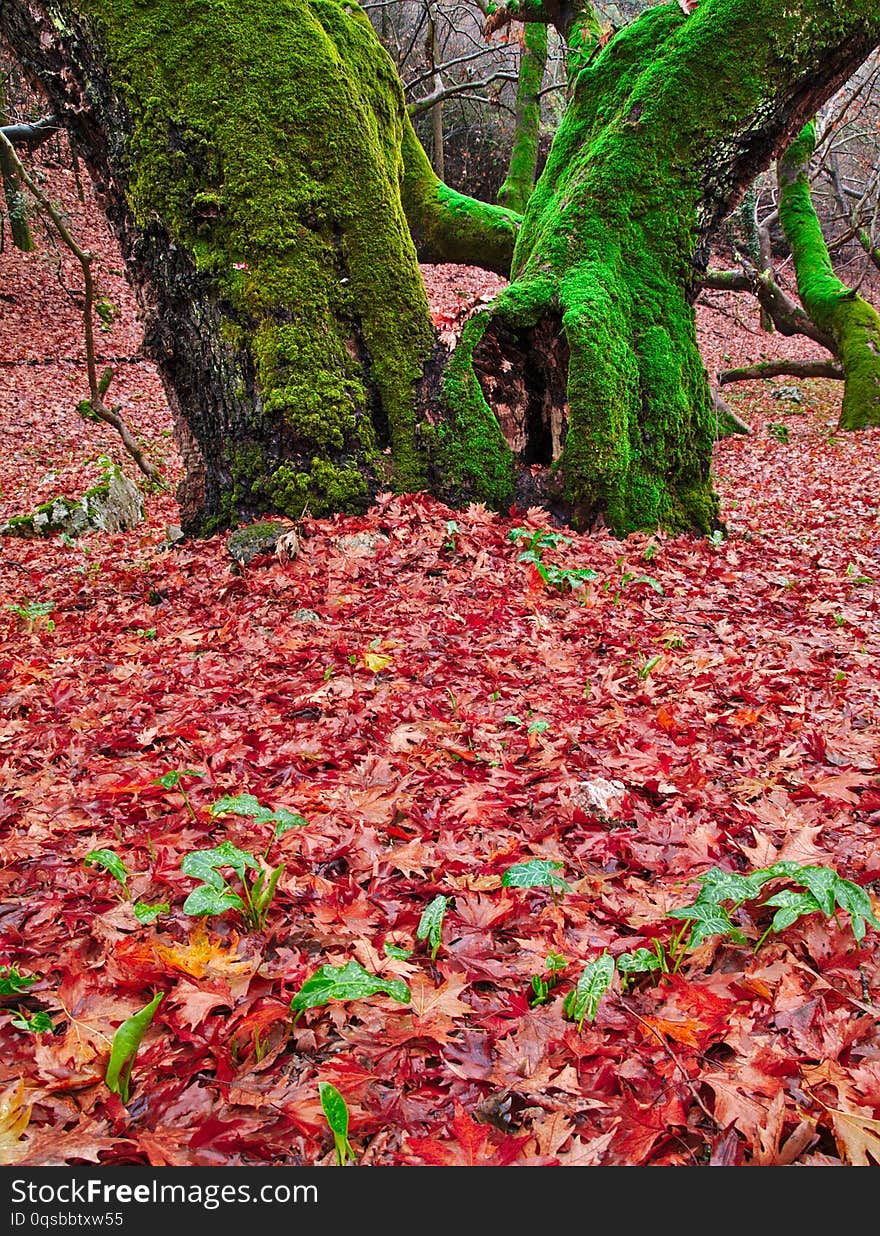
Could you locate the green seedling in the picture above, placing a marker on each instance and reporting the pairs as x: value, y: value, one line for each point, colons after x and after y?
x: 249, y: 806
x: 348, y: 982
x: 582, y: 1004
x: 336, y: 1112
x: 172, y: 781
x: 650, y: 665
x: 216, y: 895
x: 779, y: 432
x: 716, y: 538
x: 39, y: 1023
x: 536, y: 873
x: 430, y: 926
x: 852, y: 574
x: 124, y: 1048
x: 629, y: 579
x: 34, y: 613
x: 559, y: 578
x: 13, y: 981
x: 110, y: 861
x: 395, y: 951
x: 554, y: 964
x: 452, y: 533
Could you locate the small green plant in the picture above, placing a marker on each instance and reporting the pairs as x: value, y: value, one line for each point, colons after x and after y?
x: 559, y: 578
x: 39, y: 1023
x: 716, y: 538
x: 818, y: 890
x: 852, y: 574
x: 348, y: 982
x: 216, y: 894
x: 452, y: 534
x: 124, y: 1048
x: 111, y: 862
x: 542, y: 986
x: 148, y: 633
x: 535, y: 873
x: 582, y: 1003
x: 430, y: 926
x: 13, y: 981
x: 336, y: 1113
x: 650, y: 665
x: 171, y: 780
x: 34, y: 614
x: 779, y: 432
x: 629, y: 578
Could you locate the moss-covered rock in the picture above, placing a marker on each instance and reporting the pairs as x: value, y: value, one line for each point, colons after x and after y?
x: 114, y: 505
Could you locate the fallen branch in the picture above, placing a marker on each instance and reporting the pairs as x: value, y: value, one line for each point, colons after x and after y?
x: 780, y: 368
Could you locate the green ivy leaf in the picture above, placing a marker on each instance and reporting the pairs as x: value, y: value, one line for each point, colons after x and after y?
x: 533, y: 874
x: 395, y: 951
x: 821, y: 882
x: 348, y: 982
x: 148, y: 914
x: 241, y: 804
x: 171, y: 780
x: 709, y: 920
x: 111, y: 862
x: 286, y: 820
x: 206, y: 900
x: 431, y: 923
x: 40, y: 1023
x: 582, y: 1003
x: 793, y: 906
x: 11, y: 981
x: 642, y: 961
x: 204, y: 864
x: 718, y: 885
x: 856, y: 902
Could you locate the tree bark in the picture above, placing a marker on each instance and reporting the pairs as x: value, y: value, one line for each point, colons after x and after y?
x: 603, y: 387
x: 852, y: 323
x: 258, y: 164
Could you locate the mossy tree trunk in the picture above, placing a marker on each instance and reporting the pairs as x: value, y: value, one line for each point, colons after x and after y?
x: 520, y: 179
x: 250, y: 156
x: 589, y: 360
x: 852, y: 324
x: 257, y: 162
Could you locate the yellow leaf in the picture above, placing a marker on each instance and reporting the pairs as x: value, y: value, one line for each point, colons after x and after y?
x: 857, y: 1137
x: 375, y: 661
x: 203, y: 957
x: 14, y: 1117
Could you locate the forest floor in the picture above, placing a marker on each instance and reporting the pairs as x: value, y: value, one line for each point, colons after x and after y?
x: 503, y: 788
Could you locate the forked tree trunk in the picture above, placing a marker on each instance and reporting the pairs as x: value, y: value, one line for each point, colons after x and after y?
x: 589, y: 359
x: 256, y: 161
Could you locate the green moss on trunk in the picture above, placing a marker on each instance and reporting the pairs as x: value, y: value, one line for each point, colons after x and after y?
x: 852, y: 323
x: 520, y: 179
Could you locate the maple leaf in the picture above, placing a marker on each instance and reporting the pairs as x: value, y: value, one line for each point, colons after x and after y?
x: 857, y: 1137
x: 14, y: 1119
x: 472, y: 1145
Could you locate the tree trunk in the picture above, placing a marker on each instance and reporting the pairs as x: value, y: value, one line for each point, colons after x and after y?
x: 258, y: 165
x: 852, y: 323
x: 520, y: 179
x: 589, y: 359
x: 249, y: 159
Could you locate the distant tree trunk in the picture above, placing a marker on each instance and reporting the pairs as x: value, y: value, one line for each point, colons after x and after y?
x: 852, y: 323
x: 13, y: 193
x: 520, y: 180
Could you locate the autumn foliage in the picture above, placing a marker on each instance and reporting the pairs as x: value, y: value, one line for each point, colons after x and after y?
x: 435, y: 710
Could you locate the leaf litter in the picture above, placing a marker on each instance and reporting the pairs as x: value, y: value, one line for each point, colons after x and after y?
x: 434, y: 713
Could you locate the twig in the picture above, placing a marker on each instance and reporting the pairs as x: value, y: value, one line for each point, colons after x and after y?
x: 671, y: 1054
x: 97, y: 386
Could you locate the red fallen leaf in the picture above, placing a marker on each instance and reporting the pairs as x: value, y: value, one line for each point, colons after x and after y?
x: 473, y: 1146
